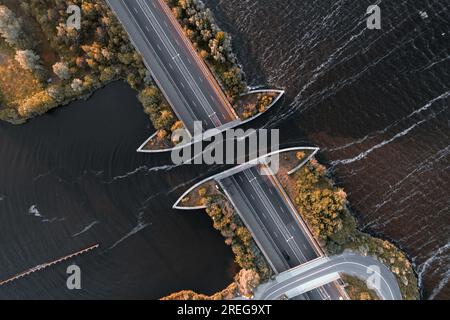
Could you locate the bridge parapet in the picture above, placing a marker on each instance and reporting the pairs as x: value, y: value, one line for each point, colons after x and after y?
x: 300, y: 269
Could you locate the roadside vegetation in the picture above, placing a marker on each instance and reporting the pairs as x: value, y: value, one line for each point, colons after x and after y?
x: 249, y: 105
x: 254, y: 267
x: 45, y: 64
x: 244, y: 284
x: 227, y: 294
x: 212, y: 44
x: 324, y: 208
x: 357, y: 288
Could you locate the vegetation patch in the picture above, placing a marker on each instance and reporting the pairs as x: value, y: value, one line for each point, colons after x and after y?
x: 162, y: 118
x: 227, y: 294
x: 324, y: 208
x: 199, y: 196
x: 251, y: 104
x: 254, y: 267
x: 212, y: 44
x: 357, y: 289
x: 45, y: 64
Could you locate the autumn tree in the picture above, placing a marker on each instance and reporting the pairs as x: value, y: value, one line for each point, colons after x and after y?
x: 61, y: 69
x: 248, y: 280
x: 30, y: 61
x: 11, y: 29
x: 233, y: 81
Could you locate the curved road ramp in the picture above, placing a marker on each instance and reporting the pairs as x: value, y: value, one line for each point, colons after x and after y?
x: 320, y: 271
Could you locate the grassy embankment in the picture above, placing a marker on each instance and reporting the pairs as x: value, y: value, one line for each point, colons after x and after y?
x: 324, y: 207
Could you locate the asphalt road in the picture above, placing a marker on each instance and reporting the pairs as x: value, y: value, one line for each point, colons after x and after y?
x: 180, y: 74
x: 356, y: 265
x: 194, y: 95
x: 279, y: 233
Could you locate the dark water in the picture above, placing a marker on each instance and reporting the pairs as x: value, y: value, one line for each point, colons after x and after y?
x: 77, y: 169
x: 376, y: 102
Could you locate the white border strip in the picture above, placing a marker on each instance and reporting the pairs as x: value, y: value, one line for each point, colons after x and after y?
x: 226, y: 126
x: 237, y: 169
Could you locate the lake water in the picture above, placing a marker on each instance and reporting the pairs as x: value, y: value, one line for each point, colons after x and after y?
x: 71, y: 179
x: 375, y: 101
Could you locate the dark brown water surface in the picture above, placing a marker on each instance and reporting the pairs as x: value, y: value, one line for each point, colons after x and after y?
x: 375, y: 101
x: 72, y: 178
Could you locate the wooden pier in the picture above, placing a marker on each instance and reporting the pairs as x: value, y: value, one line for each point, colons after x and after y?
x: 46, y: 265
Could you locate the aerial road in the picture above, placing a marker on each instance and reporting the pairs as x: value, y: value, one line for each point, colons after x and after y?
x: 283, y: 238
x: 183, y: 78
x: 195, y: 95
x: 363, y: 267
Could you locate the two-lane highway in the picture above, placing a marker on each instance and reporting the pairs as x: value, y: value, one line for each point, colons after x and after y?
x: 272, y: 221
x: 366, y: 268
x: 182, y: 77
x: 194, y: 95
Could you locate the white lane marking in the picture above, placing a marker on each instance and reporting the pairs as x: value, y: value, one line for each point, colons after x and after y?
x: 269, y: 206
x: 270, y: 190
x: 182, y: 84
x: 275, y: 234
x: 135, y: 10
x: 251, y: 195
x: 182, y: 67
x: 148, y: 29
x: 159, y: 47
x: 150, y: 45
x: 300, y: 278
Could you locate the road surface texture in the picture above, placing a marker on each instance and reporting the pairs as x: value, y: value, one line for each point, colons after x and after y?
x: 194, y: 95
x: 280, y: 234
x: 183, y: 78
x: 365, y: 268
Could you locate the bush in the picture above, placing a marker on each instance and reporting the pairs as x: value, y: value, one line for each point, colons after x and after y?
x: 213, y: 45
x: 11, y: 29
x: 157, y: 108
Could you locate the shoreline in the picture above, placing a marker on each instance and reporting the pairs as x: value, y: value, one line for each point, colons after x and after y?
x: 85, y: 95
x: 347, y: 237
